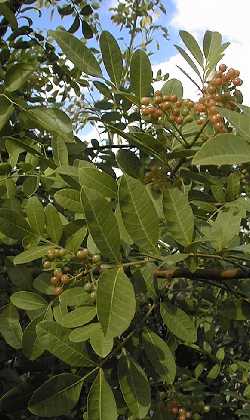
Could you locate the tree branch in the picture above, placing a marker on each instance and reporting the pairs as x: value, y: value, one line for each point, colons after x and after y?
x: 205, y: 274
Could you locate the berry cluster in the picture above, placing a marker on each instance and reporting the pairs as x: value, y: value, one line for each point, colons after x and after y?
x: 168, y: 107
x: 179, y: 411
x: 60, y: 261
x: 221, y: 90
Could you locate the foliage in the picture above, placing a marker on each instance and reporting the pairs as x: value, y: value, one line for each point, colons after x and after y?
x: 124, y: 262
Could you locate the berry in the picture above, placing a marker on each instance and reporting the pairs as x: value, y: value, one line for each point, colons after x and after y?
x: 206, y: 408
x: 57, y: 253
x: 58, y: 273
x: 211, y: 89
x: 158, y: 93
x: 58, y: 291
x: 65, y: 279
x: 165, y: 106
x: 51, y: 254
x: 216, y: 118
x: 179, y: 120
x: 145, y: 101
x: 217, y: 81
x: 182, y: 411
x: 173, y: 98
x: 82, y: 254
x: 96, y: 259
x: 174, y: 410
x: 222, y: 67
x: 66, y: 269
x: 237, y: 82
x: 147, y: 111
x: 54, y: 281
x: 47, y: 265
x: 188, y: 415
x: 182, y: 417
x: 199, y: 108
x: 62, y: 252
x: 157, y: 100
x: 178, y: 104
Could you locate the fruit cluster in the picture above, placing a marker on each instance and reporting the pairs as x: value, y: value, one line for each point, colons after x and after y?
x: 180, y: 412
x: 60, y: 262
x: 169, y: 107
x: 221, y: 90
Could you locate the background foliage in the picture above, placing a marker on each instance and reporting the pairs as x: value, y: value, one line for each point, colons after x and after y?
x: 124, y: 261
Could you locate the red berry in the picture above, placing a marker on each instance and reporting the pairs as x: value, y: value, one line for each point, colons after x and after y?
x: 237, y: 82
x: 58, y: 291
x: 145, y: 100
x: 54, y: 281
x: 174, y: 410
x: 65, y: 279
x: 217, y: 81
x: 173, y: 98
x: 179, y: 120
x: 222, y: 67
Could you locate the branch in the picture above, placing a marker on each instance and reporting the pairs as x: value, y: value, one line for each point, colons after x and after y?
x: 205, y: 274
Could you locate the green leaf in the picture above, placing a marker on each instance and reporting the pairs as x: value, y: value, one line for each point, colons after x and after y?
x: 173, y: 87
x: 143, y: 141
x: 57, y: 396
x: 13, y: 150
x: 28, y: 301
x: 129, y: 163
x: 78, y: 317
x: 76, y: 52
x: 218, y: 233
x: 101, y: 345
x: 33, y: 253
x: 52, y: 120
x: 60, y: 151
x: 101, y: 223
x: 140, y: 74
x: 84, y: 333
x: 10, y: 327
x: 238, y: 121
x: 35, y: 213
x: 101, y: 402
x: 55, y: 339
x: 74, y: 241
x: 178, y: 323
x: 43, y: 285
x: 224, y: 149
x: 30, y: 185
x: 192, y: 45
x: 138, y: 212
x: 17, y: 75
x: 207, y: 42
x: 53, y: 224
x: 69, y: 199
x: 6, y: 109
x: 99, y: 181
x: 76, y: 296
x: 30, y: 343
x: 188, y: 59
x: 160, y: 356
x: 116, y: 302
x: 112, y: 57
x: 134, y: 386
x: 17, y: 227
x: 179, y: 216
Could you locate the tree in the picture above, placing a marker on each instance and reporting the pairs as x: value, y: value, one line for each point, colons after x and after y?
x: 125, y: 262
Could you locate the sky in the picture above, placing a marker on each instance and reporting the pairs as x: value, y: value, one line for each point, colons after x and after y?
x: 231, y: 19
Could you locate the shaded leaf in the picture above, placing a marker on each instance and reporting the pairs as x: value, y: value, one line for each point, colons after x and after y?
x: 31, y: 254
x: 178, y: 323
x: 28, y: 301
x: 101, y: 401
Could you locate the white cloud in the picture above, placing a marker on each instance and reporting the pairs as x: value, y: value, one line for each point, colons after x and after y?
x: 231, y: 20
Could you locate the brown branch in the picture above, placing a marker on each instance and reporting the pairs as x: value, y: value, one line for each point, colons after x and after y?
x: 206, y: 274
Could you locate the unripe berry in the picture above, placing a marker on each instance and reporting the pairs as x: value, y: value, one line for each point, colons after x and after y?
x: 65, y: 279
x: 47, y: 265
x: 96, y: 259
x: 66, y: 269
x: 51, y: 254
x: 182, y: 411
x: 206, y: 408
x: 57, y: 253
x: 82, y: 254
x: 181, y: 417
x: 188, y: 415
x: 61, y: 252
x: 58, y: 291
